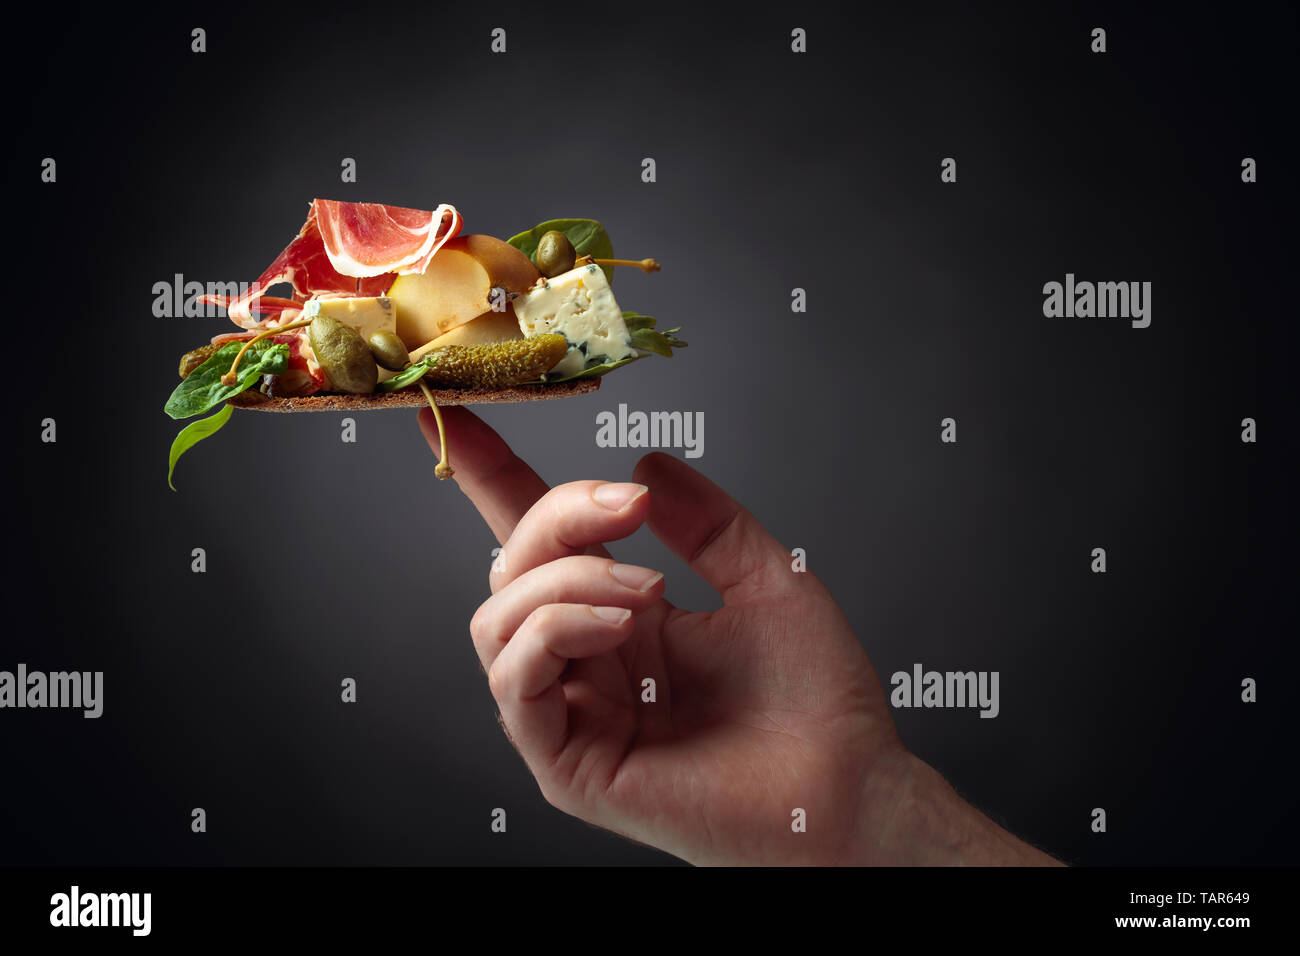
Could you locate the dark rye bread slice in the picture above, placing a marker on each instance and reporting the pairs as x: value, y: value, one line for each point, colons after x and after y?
x: 413, y: 397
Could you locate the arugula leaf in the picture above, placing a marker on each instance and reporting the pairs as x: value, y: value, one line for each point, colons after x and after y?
x: 192, y: 434
x: 596, y: 370
x: 407, y: 376
x: 202, y: 388
x: 646, y: 337
x: 589, y: 238
x: 635, y: 320
x: 641, y: 329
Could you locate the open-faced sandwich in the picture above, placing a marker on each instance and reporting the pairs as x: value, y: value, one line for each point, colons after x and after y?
x: 393, y: 307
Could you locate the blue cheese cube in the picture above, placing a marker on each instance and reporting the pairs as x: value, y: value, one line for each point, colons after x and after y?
x: 580, y: 306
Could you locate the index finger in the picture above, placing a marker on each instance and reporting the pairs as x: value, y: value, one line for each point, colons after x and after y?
x: 498, y: 482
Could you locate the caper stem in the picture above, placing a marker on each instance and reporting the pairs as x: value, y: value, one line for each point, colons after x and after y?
x: 444, y: 467
x: 230, y: 378
x: 645, y: 265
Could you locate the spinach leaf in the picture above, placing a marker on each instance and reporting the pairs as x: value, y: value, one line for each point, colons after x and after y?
x: 202, y: 388
x: 192, y: 434
x: 589, y: 238
x: 407, y: 376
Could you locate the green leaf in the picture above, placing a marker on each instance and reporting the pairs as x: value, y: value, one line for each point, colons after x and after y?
x: 596, y: 370
x: 641, y: 329
x: 407, y: 376
x: 635, y: 320
x: 202, y: 388
x: 192, y: 434
x: 589, y: 238
x: 646, y: 337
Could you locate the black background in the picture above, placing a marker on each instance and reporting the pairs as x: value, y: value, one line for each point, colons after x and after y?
x: 329, y: 560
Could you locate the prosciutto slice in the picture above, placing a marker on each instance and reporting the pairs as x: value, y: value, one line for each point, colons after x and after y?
x: 367, y: 239
x: 345, y: 248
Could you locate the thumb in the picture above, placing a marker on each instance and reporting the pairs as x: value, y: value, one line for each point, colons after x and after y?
x: 705, y: 527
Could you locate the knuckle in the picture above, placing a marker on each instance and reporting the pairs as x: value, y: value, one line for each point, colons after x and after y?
x: 478, y: 625
x: 570, y: 489
x: 496, y: 684
x: 543, y: 619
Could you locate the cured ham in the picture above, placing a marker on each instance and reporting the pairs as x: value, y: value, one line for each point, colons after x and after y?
x: 367, y: 239
x: 345, y: 248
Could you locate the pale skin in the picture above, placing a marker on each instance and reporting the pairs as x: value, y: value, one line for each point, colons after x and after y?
x: 764, y: 706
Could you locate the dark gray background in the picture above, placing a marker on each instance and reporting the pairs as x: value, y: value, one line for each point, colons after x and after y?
x: 329, y: 560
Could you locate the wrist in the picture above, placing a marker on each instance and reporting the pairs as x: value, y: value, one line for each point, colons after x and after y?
x: 911, y: 816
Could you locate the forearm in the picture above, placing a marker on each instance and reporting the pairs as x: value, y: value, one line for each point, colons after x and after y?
x: 915, y: 818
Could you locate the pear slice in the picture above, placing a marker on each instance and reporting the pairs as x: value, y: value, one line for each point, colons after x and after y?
x: 457, y: 287
x: 486, y: 329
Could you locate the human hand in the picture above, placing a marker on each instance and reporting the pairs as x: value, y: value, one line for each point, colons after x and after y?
x: 763, y: 707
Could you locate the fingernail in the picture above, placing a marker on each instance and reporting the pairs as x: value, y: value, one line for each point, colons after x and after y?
x: 618, y: 495
x: 636, y: 578
x: 615, y: 615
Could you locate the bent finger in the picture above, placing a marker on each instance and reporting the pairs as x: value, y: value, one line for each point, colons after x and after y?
x: 525, y: 677
x: 573, y: 518
x: 579, y: 579
x: 709, y: 530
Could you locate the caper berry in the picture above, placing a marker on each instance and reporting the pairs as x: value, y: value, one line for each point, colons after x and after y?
x: 344, y: 355
x: 389, y: 350
x: 555, y: 254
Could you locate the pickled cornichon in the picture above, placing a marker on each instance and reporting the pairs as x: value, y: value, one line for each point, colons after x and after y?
x: 494, y: 366
x: 192, y: 360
